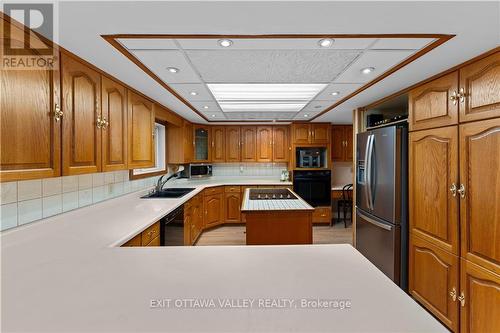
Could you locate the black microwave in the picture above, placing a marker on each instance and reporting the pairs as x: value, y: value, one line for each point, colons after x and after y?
x: 310, y: 157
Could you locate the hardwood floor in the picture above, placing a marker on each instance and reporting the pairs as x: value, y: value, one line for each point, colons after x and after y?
x: 235, y: 235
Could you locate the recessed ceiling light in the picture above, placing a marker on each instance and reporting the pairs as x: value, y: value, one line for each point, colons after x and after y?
x: 318, y: 106
x: 225, y: 42
x: 205, y: 106
x: 173, y: 69
x: 306, y: 115
x: 335, y: 93
x: 367, y: 70
x: 325, y: 42
x: 193, y: 93
x: 213, y: 116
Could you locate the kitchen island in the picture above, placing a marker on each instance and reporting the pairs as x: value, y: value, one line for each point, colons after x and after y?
x: 67, y: 273
x: 276, y: 217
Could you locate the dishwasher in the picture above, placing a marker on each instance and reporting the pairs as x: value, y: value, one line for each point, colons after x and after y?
x: 172, y: 225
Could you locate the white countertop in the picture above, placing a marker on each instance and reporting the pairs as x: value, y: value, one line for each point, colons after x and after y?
x: 63, y: 274
x: 273, y: 205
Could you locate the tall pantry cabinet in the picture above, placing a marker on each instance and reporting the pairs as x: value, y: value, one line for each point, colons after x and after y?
x: 454, y: 182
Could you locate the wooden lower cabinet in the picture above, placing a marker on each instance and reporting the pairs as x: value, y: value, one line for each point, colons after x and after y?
x: 232, y: 208
x: 433, y: 280
x: 213, y: 206
x: 193, y: 220
x: 480, y: 308
x: 322, y: 214
x: 149, y: 237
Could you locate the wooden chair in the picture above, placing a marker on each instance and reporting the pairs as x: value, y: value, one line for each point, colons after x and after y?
x: 345, y: 203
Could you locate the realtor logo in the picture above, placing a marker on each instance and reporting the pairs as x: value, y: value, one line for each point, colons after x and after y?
x: 22, y: 49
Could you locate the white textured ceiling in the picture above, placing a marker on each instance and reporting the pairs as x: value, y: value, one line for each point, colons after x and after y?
x: 475, y: 23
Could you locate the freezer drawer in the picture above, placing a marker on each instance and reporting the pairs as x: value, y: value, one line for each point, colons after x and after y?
x: 380, y: 243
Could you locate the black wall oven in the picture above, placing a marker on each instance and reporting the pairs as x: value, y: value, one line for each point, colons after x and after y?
x: 313, y: 186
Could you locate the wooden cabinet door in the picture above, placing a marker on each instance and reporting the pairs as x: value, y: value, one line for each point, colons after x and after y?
x: 481, y: 305
x: 434, y: 104
x: 218, y: 144
x: 248, y: 143
x: 114, y: 132
x: 232, y: 212
x: 141, y: 123
x: 320, y: 133
x: 480, y: 203
x: 202, y: 143
x: 480, y: 85
x: 338, y: 143
x: 433, y: 280
x: 233, y: 144
x: 348, y: 135
x: 188, y: 142
x: 301, y: 133
x: 30, y: 136
x: 281, y: 144
x: 214, y: 209
x: 197, y: 213
x: 81, y: 92
x: 433, y: 169
x: 188, y: 223
x: 264, y: 144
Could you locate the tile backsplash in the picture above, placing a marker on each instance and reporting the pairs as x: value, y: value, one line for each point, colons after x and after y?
x: 248, y: 169
x: 31, y: 200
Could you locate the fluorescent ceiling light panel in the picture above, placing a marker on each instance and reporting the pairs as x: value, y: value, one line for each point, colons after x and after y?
x: 264, y: 97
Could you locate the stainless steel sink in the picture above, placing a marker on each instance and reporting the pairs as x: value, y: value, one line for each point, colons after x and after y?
x: 173, y: 192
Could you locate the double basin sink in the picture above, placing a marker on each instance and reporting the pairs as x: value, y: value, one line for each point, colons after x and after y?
x: 172, y: 192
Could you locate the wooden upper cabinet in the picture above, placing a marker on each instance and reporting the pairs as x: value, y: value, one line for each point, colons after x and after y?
x: 248, y: 143
x: 320, y: 133
x: 434, y: 104
x: 81, y: 93
x: 180, y: 143
x: 342, y: 143
x: 349, y: 139
x: 480, y: 199
x: 433, y: 171
x: 301, y: 133
x: 141, y: 123
x: 281, y: 144
x: 218, y: 144
x: 30, y: 135
x: 434, y: 279
x: 114, y: 131
x: 233, y: 142
x: 264, y: 144
x: 481, y: 306
x: 480, y: 88
x: 202, y: 143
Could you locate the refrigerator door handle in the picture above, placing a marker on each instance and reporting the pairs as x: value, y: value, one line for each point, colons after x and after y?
x: 368, y: 171
x: 375, y: 223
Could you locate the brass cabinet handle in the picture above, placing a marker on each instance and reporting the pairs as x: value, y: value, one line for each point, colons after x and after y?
x: 461, y: 95
x: 453, y: 189
x: 461, y: 298
x: 453, y: 294
x: 104, y: 123
x: 57, y: 112
x: 454, y: 97
x: 461, y: 191
x: 98, y: 122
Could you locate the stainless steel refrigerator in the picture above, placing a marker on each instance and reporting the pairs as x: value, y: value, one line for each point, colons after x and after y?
x: 381, y: 200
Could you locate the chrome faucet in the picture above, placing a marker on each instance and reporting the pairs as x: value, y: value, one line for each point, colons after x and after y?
x: 160, y: 183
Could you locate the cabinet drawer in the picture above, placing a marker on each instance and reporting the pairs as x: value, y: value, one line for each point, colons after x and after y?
x: 155, y: 241
x: 213, y: 190
x: 322, y: 215
x: 150, y: 233
x: 232, y: 189
x: 136, y: 241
